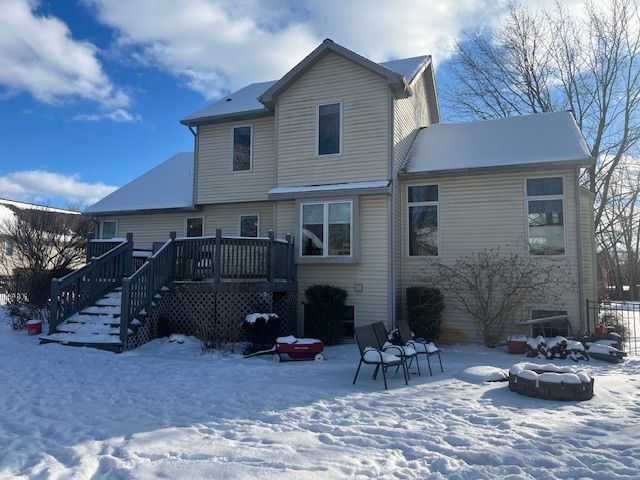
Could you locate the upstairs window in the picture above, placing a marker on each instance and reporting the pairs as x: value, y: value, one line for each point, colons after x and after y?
x: 249, y: 225
x: 241, y: 161
x: 327, y: 229
x: 195, y: 226
x: 423, y: 220
x: 8, y: 248
x: 329, y: 129
x: 109, y: 229
x: 545, y: 205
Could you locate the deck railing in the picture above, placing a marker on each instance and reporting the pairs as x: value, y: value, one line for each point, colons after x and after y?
x: 139, y: 290
x: 98, y: 247
x: 81, y: 288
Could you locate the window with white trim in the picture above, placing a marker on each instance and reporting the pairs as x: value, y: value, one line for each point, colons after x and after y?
x: 109, y: 229
x: 326, y: 229
x: 241, y: 155
x: 545, y: 216
x: 329, y: 126
x: 195, y: 226
x: 249, y: 225
x: 423, y: 220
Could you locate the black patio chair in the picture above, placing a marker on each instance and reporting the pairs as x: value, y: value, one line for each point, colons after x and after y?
x: 372, y: 355
x: 407, y: 353
x: 428, y: 349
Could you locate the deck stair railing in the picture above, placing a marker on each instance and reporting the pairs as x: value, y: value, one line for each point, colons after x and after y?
x: 81, y: 288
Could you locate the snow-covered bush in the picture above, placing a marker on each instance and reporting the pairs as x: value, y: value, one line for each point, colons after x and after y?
x: 261, y: 331
x: 497, y: 287
x: 20, y: 313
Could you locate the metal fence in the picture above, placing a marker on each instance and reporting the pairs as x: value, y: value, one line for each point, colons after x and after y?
x: 620, y: 317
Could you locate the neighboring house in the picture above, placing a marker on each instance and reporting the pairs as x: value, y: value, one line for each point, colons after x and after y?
x: 10, y: 210
x: 349, y: 157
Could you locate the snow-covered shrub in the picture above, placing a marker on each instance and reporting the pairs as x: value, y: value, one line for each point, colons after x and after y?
x: 424, y: 309
x: 497, y: 287
x: 261, y: 331
x: 323, y: 312
x: 614, y: 323
x: 20, y: 313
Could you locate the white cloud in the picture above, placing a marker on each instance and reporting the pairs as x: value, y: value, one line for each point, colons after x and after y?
x: 119, y: 116
x: 28, y: 185
x: 39, y: 55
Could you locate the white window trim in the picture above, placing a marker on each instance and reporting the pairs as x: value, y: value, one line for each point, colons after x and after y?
x: 325, y: 229
x: 102, y: 228
x: 422, y: 204
x: 545, y: 197
x: 248, y: 215
x: 317, y: 129
x: 233, y: 128
x: 186, y: 225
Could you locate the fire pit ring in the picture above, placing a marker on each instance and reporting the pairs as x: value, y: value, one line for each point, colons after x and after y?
x: 550, y: 382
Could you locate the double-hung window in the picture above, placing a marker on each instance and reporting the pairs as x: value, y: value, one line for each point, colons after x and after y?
x: 249, y: 225
x: 195, y: 226
x: 109, y: 229
x: 545, y: 205
x: 329, y: 129
x: 423, y: 220
x: 326, y: 229
x: 241, y: 151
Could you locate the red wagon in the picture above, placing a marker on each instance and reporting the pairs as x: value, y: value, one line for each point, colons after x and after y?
x: 298, y: 349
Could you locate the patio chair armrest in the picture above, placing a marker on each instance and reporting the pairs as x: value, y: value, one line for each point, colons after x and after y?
x: 399, y: 348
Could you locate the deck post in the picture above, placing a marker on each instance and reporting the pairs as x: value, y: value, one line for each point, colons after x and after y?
x: 53, y: 306
x: 124, y: 311
x: 272, y: 257
x: 88, y: 247
x: 172, y: 266
x: 217, y: 262
x: 289, y: 252
x: 128, y: 261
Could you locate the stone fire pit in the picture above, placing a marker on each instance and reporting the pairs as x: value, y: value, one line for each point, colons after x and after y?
x: 550, y: 382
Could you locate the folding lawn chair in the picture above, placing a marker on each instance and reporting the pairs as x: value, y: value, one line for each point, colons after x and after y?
x: 407, y: 353
x: 428, y: 349
x: 371, y: 355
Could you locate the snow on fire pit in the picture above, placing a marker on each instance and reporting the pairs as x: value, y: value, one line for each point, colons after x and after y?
x: 550, y: 382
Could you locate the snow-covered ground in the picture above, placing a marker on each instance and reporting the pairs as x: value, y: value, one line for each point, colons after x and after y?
x: 165, y: 411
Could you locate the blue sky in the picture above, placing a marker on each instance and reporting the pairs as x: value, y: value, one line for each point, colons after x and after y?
x: 91, y: 91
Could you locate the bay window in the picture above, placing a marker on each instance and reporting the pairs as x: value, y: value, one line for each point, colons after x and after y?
x: 326, y: 229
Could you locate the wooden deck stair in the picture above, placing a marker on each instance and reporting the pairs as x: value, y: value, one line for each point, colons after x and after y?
x: 97, y: 326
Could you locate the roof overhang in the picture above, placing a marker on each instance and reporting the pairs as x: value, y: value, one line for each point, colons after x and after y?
x: 396, y: 82
x: 578, y: 163
x: 375, y: 187
x: 227, y: 117
x: 141, y: 211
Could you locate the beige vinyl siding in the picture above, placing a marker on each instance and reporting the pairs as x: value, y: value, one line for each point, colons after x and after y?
x: 587, y: 221
x: 216, y: 182
x: 155, y: 227
x: 372, y: 303
x: 485, y: 211
x: 409, y: 115
x: 365, y: 132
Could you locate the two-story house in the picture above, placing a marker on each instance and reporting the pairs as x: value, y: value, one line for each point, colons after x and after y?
x: 348, y: 156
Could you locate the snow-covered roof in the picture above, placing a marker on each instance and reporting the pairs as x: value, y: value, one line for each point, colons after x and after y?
x: 247, y: 100
x: 35, y: 206
x: 529, y: 140
x: 244, y: 100
x: 166, y: 186
x: 306, y: 190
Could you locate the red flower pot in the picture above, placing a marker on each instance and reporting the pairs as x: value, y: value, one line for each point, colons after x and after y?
x: 516, y: 347
x: 34, y: 327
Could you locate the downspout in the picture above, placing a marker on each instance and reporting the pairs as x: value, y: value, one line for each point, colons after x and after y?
x: 195, y: 161
x: 581, y: 298
x: 391, y: 206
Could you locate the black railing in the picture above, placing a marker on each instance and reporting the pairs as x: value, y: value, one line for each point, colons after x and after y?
x: 81, y: 288
x: 98, y: 247
x: 619, y: 317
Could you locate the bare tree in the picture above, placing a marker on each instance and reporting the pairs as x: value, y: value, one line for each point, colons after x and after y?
x: 497, y: 288
x: 44, y: 244
x: 557, y: 60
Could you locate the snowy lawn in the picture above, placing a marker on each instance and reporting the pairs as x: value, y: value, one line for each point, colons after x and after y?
x: 165, y: 411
